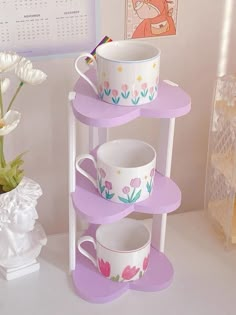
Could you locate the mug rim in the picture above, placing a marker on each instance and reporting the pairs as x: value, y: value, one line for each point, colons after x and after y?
x: 123, y: 167
x: 124, y: 251
x: 113, y: 43
x: 140, y: 223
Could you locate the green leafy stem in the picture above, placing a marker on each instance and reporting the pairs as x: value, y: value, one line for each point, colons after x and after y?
x: 15, y: 95
x: 11, y: 174
x: 1, y: 103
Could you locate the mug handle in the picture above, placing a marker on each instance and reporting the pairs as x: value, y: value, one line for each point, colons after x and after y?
x: 82, y: 74
x: 83, y: 251
x: 79, y: 160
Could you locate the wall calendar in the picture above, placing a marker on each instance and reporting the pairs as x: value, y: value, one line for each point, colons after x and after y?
x: 47, y: 27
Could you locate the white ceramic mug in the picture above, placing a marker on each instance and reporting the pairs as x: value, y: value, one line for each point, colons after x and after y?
x: 125, y: 170
x: 122, y: 249
x: 127, y: 72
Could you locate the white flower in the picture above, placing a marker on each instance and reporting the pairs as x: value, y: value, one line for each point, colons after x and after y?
x: 27, y: 74
x: 4, y: 85
x: 9, y: 122
x: 23, y: 63
x: 8, y: 61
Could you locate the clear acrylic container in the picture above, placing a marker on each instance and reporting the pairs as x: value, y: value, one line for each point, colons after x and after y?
x: 220, y: 187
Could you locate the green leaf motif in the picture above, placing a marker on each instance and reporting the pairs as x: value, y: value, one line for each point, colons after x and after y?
x: 144, y: 93
x: 116, y: 279
x: 101, y: 95
x: 115, y: 100
x: 135, y: 101
x: 123, y: 199
x: 125, y: 95
x: 101, y: 187
x: 140, y: 274
x: 107, y: 92
x: 149, y: 188
x: 109, y: 196
x: 151, y: 97
x: 137, y: 196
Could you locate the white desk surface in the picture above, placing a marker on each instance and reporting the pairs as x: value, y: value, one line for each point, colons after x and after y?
x: 204, y: 281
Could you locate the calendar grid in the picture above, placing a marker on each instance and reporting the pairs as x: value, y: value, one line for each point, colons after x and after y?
x: 43, y: 27
x: 4, y: 33
x: 30, y: 4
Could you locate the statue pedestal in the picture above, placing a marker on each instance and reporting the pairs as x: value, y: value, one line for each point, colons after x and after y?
x: 21, y: 236
x: 13, y: 273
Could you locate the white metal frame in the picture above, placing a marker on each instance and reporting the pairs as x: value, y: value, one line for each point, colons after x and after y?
x: 72, y: 174
x: 167, y: 127
x: 165, y: 149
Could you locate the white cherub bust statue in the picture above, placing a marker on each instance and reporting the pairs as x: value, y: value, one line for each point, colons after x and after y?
x: 21, y: 238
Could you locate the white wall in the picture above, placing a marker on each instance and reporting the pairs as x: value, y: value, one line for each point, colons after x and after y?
x: 190, y: 58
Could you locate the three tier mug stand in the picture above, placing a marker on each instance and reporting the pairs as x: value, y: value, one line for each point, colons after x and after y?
x: 86, y: 203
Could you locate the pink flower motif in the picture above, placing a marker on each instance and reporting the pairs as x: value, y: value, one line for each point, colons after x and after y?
x: 145, y: 262
x: 151, y: 90
x: 104, y: 267
x: 135, y: 93
x: 152, y: 173
x: 106, y: 85
x: 135, y: 182
x: 126, y: 190
x: 128, y: 273
x: 115, y: 93
x: 102, y: 172
x: 108, y: 185
x: 124, y: 87
x: 144, y: 86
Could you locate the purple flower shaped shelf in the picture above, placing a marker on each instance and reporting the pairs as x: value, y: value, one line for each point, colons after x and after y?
x: 165, y: 197
x: 93, y: 287
x: 171, y: 102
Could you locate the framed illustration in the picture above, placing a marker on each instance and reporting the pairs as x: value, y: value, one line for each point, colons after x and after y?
x: 47, y: 27
x: 150, y: 18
